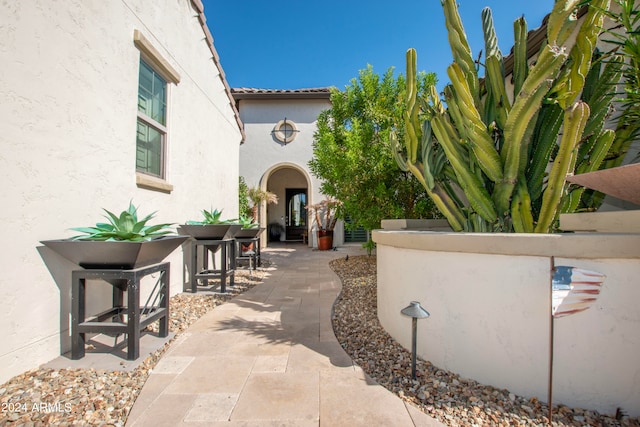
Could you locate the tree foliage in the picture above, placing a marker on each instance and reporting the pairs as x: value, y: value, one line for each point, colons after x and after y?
x: 351, y: 151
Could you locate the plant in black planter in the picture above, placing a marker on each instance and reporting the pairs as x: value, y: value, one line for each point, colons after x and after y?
x: 124, y: 242
x: 211, y: 227
x: 125, y: 227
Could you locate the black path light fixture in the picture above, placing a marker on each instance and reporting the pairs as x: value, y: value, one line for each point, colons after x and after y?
x: 415, y: 311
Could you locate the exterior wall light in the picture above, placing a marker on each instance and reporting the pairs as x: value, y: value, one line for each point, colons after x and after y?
x: 415, y: 311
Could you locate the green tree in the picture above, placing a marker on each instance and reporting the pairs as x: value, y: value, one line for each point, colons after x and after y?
x: 351, y: 151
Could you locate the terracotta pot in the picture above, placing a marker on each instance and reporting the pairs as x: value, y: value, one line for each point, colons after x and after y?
x: 325, y: 240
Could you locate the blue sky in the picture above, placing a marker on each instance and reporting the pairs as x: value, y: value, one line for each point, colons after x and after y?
x: 283, y: 44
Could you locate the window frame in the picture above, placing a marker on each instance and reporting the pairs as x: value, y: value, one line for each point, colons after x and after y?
x: 161, y: 129
x: 152, y: 58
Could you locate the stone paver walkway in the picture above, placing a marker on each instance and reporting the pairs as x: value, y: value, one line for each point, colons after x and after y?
x: 269, y: 357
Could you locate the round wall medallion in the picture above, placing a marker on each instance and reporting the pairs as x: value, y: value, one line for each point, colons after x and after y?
x: 285, y: 131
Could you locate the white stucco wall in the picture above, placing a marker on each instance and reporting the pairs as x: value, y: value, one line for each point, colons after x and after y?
x: 489, y: 300
x: 69, y: 87
x: 262, y: 156
x: 262, y: 150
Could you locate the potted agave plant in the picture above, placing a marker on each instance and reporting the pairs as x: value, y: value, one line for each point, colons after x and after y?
x: 211, y: 227
x: 249, y: 230
x: 124, y: 242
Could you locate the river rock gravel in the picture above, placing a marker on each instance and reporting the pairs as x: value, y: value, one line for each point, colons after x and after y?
x: 453, y: 400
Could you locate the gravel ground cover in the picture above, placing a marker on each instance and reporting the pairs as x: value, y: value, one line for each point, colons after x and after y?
x: 453, y: 400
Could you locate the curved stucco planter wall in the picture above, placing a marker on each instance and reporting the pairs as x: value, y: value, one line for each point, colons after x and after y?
x: 489, y: 300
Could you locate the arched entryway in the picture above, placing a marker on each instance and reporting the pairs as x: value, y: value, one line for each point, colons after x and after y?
x: 288, y: 219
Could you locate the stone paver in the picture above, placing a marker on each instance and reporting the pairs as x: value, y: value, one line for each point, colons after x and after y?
x: 269, y: 358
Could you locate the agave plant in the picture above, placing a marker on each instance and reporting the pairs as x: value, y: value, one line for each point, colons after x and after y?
x: 496, y: 160
x: 125, y: 227
x: 247, y: 222
x: 211, y: 217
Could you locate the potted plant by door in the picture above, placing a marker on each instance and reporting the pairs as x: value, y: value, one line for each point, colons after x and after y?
x: 325, y: 218
x: 124, y: 242
x: 211, y: 227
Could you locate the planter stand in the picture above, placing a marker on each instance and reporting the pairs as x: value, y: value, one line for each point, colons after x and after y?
x: 227, y: 261
x: 253, y: 254
x: 112, y: 321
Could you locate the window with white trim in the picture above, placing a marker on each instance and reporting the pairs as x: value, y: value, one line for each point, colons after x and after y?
x: 155, y: 75
x: 152, y: 120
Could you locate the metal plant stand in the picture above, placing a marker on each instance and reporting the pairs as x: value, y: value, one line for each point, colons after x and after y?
x: 253, y: 255
x: 227, y: 261
x: 112, y: 321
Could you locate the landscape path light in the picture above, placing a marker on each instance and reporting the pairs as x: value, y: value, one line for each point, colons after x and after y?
x: 415, y: 311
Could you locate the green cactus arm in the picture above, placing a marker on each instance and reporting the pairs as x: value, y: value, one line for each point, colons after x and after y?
x: 453, y: 108
x: 520, y: 65
x: 605, y: 139
x: 479, y: 138
x: 460, y: 47
x: 469, y: 182
x: 581, y: 53
x: 447, y: 206
x: 521, y: 216
x: 411, y: 113
x: 396, y: 150
x: 495, y: 78
x: 490, y: 38
x: 524, y: 109
x: 575, y: 120
x: 562, y: 21
x: 496, y: 103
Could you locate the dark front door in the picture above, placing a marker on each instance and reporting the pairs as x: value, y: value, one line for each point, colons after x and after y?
x: 296, y: 219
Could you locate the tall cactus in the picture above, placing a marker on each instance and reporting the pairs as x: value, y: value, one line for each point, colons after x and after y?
x: 493, y: 160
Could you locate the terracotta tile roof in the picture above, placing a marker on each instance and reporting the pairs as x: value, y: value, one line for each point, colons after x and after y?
x: 197, y: 4
x: 253, y: 93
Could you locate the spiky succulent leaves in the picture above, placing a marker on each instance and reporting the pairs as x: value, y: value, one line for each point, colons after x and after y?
x: 125, y: 227
x: 575, y: 120
x: 601, y: 147
x: 460, y: 48
x: 543, y: 141
x: 625, y: 36
x: 599, y: 92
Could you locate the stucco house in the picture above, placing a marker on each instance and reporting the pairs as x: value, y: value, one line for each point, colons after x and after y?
x: 279, y: 127
x: 103, y: 103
